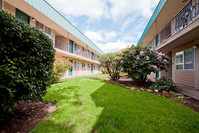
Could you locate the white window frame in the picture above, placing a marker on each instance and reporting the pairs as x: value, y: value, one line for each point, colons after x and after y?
x: 183, y: 61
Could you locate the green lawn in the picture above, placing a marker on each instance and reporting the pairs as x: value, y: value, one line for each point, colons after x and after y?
x: 87, y: 104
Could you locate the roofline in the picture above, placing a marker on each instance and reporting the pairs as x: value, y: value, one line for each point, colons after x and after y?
x: 72, y: 24
x: 97, y: 49
x: 152, y: 19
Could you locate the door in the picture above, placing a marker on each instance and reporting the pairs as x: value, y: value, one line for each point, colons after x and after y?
x: 91, y: 68
x: 22, y: 16
x: 71, y: 46
x: 157, y: 75
x: 92, y: 55
x: 70, y: 71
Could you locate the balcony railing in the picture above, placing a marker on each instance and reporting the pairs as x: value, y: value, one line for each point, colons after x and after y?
x: 61, y: 45
x: 182, y: 19
x: 64, y: 46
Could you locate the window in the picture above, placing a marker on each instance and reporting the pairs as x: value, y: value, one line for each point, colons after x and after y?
x: 76, y: 65
x: 185, y: 60
x: 1, y: 5
x: 39, y: 26
x: 48, y: 30
x: 83, y: 65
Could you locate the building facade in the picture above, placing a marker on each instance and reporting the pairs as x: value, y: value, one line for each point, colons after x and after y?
x: 174, y: 30
x: 68, y: 41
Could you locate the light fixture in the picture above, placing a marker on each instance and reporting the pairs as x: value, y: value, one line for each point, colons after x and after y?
x: 33, y: 19
x: 195, y: 46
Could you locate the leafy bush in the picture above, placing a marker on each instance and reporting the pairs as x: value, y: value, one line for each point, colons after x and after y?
x: 111, y: 65
x: 164, y: 84
x: 60, y: 65
x: 139, y: 62
x: 26, y: 64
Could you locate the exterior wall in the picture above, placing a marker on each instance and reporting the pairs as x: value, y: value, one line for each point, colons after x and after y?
x: 57, y: 36
x: 9, y: 8
x: 187, y: 77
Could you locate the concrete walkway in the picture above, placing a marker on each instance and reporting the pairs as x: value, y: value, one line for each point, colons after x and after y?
x: 190, y: 91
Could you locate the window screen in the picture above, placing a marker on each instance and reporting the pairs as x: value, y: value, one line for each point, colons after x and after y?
x: 48, y: 30
x: 189, y: 59
x: 39, y: 26
x: 179, y: 60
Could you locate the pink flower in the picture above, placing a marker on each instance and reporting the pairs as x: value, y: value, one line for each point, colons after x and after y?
x: 159, y: 58
x: 141, y: 52
x: 122, y: 61
x: 164, y: 60
x: 151, y: 49
x: 121, y: 51
x: 147, y: 57
x: 155, y: 67
x: 156, y: 52
x: 138, y: 58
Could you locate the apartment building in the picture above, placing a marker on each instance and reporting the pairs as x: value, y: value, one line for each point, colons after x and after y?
x: 68, y: 41
x: 174, y: 30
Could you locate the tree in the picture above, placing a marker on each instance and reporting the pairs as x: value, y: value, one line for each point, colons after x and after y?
x: 26, y: 65
x: 111, y: 65
x: 139, y: 62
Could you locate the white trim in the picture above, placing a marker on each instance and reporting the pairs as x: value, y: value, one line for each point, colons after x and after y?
x: 183, y: 61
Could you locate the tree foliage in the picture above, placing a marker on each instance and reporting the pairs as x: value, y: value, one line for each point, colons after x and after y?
x: 26, y: 64
x: 139, y: 62
x: 111, y: 65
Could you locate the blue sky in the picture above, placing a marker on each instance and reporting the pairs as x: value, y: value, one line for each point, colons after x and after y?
x: 110, y: 24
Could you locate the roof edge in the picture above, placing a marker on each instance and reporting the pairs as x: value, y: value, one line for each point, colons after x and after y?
x: 152, y: 19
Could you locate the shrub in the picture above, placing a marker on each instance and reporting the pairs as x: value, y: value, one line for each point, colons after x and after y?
x: 164, y: 84
x: 60, y: 65
x: 139, y: 62
x: 111, y: 65
x: 26, y: 64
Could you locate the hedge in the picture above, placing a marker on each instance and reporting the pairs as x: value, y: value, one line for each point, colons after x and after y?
x: 26, y: 64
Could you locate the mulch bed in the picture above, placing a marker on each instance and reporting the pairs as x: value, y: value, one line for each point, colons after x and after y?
x: 26, y: 117
x: 128, y: 83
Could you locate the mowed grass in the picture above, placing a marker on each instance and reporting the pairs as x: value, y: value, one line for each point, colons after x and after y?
x: 88, y: 104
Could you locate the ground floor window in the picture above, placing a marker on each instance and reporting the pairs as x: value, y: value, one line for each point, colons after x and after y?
x: 76, y: 65
x: 83, y: 65
x: 185, y: 60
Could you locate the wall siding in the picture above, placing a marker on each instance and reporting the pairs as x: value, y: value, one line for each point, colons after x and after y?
x: 185, y: 78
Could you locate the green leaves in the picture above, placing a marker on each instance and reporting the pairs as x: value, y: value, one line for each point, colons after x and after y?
x: 141, y: 61
x: 26, y: 64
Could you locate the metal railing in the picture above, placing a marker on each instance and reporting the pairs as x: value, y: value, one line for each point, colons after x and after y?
x: 181, y: 20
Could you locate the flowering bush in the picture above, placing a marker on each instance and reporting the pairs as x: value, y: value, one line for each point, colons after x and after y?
x: 60, y: 65
x: 111, y: 65
x: 139, y: 62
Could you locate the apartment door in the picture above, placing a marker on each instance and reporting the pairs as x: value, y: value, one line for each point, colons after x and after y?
x: 71, y: 46
x: 70, y: 71
x: 22, y: 16
x: 91, y: 68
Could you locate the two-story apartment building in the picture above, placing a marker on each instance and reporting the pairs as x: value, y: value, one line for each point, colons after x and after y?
x: 174, y: 30
x: 68, y: 41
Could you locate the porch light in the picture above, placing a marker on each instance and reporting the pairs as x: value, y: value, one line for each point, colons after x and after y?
x: 33, y: 19
x: 195, y: 46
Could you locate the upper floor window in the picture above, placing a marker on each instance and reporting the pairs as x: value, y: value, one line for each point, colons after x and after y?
x: 185, y: 60
x: 1, y: 5
x: 43, y: 28
x: 39, y: 26
x: 48, y: 30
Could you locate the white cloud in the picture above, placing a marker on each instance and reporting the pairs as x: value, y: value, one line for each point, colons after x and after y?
x: 94, y: 36
x: 113, y: 46
x: 94, y: 9
x: 101, y: 35
x: 121, y: 8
